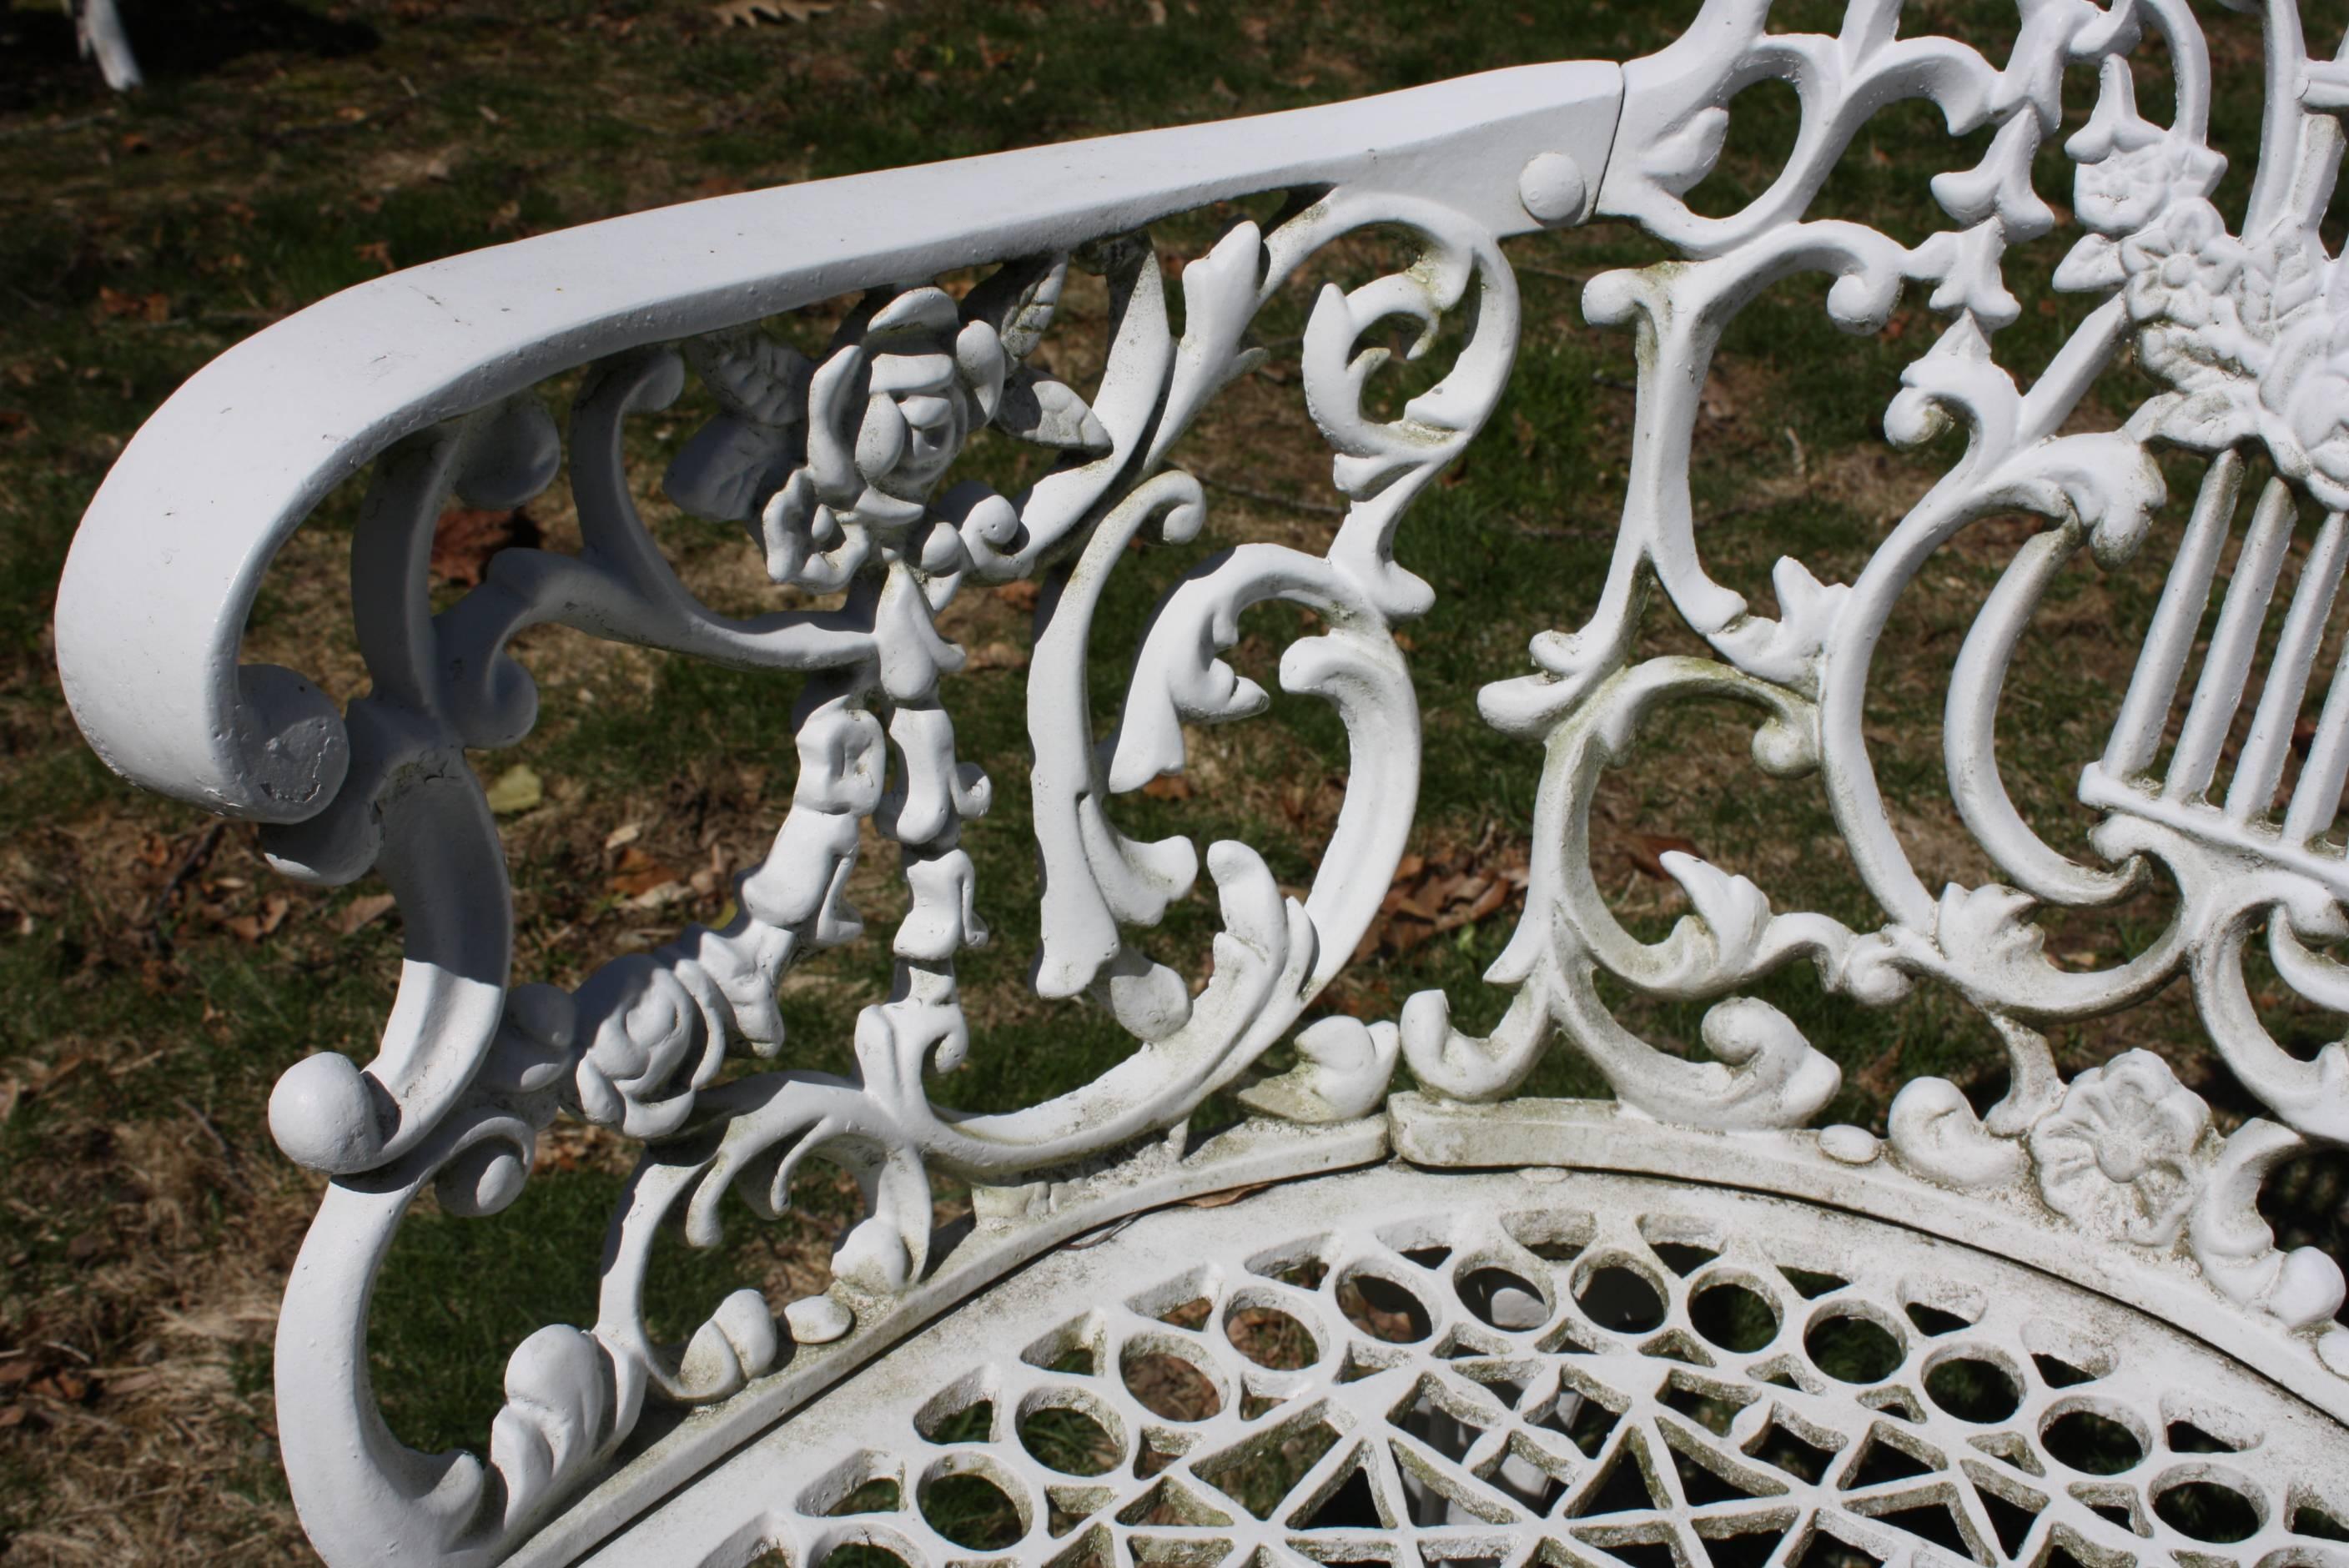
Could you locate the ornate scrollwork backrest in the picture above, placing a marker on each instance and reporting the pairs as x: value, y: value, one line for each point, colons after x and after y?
x: 842, y: 467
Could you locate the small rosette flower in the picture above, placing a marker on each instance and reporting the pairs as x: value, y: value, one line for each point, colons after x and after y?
x: 2120, y: 1153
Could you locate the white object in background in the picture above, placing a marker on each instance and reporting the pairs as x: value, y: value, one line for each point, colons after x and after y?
x: 97, y: 30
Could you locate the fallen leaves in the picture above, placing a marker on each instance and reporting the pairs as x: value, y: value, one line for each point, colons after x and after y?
x: 517, y: 789
x: 16, y: 916
x: 1428, y: 897
x: 154, y: 308
x: 465, y: 538
x: 646, y: 882
x: 1646, y: 851
x: 31, y: 1380
x: 573, y: 1146
x: 378, y: 252
x: 225, y: 900
x: 263, y: 922
x: 40, y: 1077
x: 363, y: 912
x: 639, y: 873
x: 997, y: 656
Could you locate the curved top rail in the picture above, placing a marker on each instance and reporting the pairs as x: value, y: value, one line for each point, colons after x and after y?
x: 178, y: 534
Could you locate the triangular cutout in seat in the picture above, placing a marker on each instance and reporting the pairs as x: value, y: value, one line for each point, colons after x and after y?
x: 1702, y: 1484
x: 1894, y: 1402
x: 1094, y: 1549
x: 1623, y: 1486
x: 1781, y: 1445
x: 1937, y: 1523
x: 1644, y: 1553
x: 1171, y: 1503
x: 1354, y: 1503
x: 1673, y: 1344
x: 1751, y: 1549
x: 1259, y: 1472
x: 2011, y: 1447
x: 1074, y: 1346
x: 1884, y: 1457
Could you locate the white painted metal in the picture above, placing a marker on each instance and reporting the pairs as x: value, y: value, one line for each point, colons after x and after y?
x: 98, y: 31
x: 1557, y: 1358
x: 843, y: 469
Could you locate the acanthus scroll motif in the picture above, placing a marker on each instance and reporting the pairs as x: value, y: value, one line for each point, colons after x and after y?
x: 2243, y: 325
x: 842, y: 467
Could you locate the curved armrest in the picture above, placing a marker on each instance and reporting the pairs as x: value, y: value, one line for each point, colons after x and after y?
x: 167, y: 562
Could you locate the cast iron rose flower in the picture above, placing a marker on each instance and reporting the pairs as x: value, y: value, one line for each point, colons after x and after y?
x: 2120, y: 1149
x: 887, y: 416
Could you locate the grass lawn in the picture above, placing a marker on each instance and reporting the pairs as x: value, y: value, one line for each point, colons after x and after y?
x: 158, y: 977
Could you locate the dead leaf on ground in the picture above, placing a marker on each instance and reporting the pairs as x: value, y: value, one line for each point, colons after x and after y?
x: 122, y: 306
x: 378, y: 252
x: 996, y: 656
x: 1019, y: 595
x: 16, y: 912
x: 518, y: 789
x: 262, y: 922
x: 638, y: 874
x: 1169, y: 787
x: 72, y: 1387
x: 362, y: 911
x: 1646, y: 852
x: 464, y: 539
x: 1431, y: 895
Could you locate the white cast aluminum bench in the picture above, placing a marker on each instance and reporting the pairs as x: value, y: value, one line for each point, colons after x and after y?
x: 1543, y: 1373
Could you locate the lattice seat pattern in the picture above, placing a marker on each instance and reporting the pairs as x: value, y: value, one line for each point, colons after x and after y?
x: 1503, y: 1368
x: 2055, y: 1328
